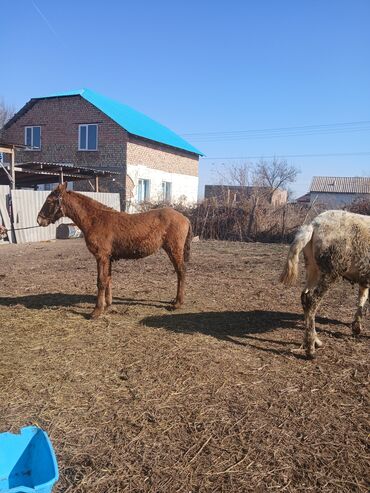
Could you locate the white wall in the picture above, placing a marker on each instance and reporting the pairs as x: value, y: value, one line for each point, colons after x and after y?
x: 184, y: 187
x: 27, y: 204
x: 335, y: 200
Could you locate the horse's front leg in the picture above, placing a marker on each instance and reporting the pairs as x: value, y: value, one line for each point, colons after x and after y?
x: 102, y: 283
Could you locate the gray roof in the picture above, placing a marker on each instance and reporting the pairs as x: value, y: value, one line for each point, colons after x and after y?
x: 340, y: 184
x: 37, y: 173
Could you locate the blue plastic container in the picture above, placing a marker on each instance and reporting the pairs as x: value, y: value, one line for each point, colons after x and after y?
x: 27, y: 462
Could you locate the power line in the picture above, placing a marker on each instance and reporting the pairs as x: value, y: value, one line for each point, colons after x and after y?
x: 361, y: 122
x: 357, y: 126
x: 233, y: 138
x: 284, y: 156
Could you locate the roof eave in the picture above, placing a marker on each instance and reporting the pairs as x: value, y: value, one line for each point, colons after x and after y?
x: 198, y: 153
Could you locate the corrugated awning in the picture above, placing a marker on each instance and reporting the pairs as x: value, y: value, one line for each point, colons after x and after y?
x: 38, y: 173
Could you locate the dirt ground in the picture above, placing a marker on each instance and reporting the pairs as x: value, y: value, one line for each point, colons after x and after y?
x: 206, y: 399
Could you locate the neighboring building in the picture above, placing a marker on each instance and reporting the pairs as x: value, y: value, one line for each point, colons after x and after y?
x: 235, y: 193
x: 337, y: 192
x: 304, y: 199
x: 88, y: 129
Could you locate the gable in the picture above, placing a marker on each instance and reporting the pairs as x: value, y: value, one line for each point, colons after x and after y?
x: 132, y: 121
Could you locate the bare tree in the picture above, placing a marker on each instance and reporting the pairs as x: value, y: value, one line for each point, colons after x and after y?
x: 236, y: 174
x: 6, y: 112
x: 274, y: 174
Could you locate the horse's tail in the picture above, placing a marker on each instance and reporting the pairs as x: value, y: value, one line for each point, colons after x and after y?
x: 290, y: 272
x: 187, y: 244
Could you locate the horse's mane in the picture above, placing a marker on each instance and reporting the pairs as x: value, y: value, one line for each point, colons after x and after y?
x: 92, y: 202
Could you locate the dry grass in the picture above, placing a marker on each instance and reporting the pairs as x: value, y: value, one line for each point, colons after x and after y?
x: 207, y: 399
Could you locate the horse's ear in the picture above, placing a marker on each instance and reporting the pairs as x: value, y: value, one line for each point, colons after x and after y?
x: 62, y: 187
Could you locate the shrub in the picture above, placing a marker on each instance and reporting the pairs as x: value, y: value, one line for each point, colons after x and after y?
x: 253, y: 219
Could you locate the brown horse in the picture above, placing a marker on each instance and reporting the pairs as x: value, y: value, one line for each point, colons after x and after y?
x: 112, y: 235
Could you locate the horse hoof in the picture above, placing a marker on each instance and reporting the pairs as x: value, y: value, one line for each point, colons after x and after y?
x: 175, y: 306
x: 318, y: 343
x: 95, y: 314
x: 356, y: 328
x: 310, y: 356
x: 110, y: 309
x: 298, y: 351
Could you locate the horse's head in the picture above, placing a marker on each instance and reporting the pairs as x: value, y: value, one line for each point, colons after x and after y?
x: 52, y: 210
x: 3, y: 231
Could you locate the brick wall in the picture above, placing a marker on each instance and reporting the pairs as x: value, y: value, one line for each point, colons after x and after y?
x: 161, y: 157
x: 59, y: 119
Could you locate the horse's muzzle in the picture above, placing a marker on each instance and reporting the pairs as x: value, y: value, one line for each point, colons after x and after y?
x: 42, y: 221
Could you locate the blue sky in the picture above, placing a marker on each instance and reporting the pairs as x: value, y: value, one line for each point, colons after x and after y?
x: 209, y: 66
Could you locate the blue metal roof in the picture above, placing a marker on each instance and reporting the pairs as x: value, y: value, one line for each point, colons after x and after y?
x: 133, y: 121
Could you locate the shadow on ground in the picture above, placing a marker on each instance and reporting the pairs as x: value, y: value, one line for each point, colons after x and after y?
x: 238, y: 327
x: 52, y: 300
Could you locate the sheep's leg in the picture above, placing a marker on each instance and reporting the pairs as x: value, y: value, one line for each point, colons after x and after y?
x: 363, y: 293
x: 108, y: 289
x: 310, y: 302
x: 102, y: 283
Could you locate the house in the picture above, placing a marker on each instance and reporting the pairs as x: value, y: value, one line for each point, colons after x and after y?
x: 303, y: 199
x: 339, y: 191
x: 236, y: 193
x: 84, y: 128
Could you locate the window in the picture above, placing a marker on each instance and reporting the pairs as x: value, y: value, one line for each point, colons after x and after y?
x: 88, y: 137
x: 166, y: 191
x: 32, y: 137
x: 143, y: 190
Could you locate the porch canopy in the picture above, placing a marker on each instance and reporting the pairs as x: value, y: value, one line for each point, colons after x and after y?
x: 28, y: 175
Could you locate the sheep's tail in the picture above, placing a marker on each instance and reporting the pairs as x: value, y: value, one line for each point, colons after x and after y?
x: 290, y: 273
x: 187, y: 245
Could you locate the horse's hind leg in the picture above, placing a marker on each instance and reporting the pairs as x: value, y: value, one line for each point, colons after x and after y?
x: 108, y: 289
x: 313, y: 276
x: 362, y: 297
x: 176, y: 256
x: 102, y: 283
x: 310, y: 302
